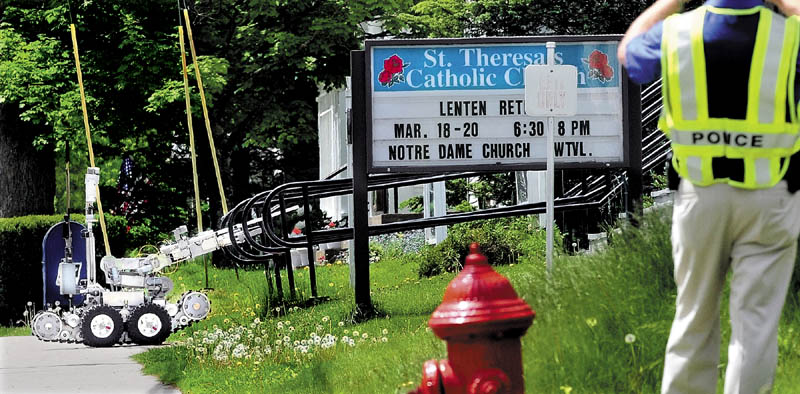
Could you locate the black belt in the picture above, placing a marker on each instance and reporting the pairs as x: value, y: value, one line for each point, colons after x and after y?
x: 733, y: 169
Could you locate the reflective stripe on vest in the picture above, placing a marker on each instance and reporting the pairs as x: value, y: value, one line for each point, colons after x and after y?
x: 764, y: 136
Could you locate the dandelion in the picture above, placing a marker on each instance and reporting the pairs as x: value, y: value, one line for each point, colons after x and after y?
x: 384, y: 339
x: 258, y: 339
x: 239, y: 351
x: 267, y: 350
x: 591, y: 322
x: 325, y: 319
x: 220, y: 354
x: 280, y: 326
x: 331, y: 284
x: 287, y: 339
x: 355, y: 333
x: 364, y: 335
x: 385, y: 331
x: 566, y: 389
x: 341, y: 324
x: 291, y: 328
x: 630, y: 338
x: 278, y: 342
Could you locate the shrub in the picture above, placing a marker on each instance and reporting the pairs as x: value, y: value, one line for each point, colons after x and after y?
x: 21, y: 257
x: 503, y: 241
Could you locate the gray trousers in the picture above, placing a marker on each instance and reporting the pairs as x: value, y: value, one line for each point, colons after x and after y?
x: 754, y: 233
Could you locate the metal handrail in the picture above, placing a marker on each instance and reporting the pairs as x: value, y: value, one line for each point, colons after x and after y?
x: 592, y: 192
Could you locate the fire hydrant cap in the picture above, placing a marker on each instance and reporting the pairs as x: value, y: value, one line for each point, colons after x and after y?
x: 479, y: 301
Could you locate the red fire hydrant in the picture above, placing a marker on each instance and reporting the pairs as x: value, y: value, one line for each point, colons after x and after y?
x: 482, y: 319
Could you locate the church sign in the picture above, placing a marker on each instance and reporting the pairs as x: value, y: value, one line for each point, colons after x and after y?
x: 458, y: 104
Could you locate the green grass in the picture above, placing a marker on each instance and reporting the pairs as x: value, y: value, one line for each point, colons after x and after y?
x: 584, y: 311
x: 14, y: 331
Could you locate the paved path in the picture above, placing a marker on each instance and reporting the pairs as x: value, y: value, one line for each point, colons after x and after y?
x: 28, y: 365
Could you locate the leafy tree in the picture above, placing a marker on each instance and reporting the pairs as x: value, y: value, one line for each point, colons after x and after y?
x: 262, y: 63
x: 476, y: 18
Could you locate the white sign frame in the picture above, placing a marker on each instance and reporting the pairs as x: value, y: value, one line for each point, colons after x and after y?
x: 629, y: 92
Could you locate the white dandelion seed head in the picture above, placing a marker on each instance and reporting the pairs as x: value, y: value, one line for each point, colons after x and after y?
x: 630, y: 338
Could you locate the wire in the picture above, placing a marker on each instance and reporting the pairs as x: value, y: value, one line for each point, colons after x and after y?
x: 205, y: 113
x: 89, y: 135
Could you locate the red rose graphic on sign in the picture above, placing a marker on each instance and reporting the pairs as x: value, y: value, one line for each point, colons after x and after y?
x: 392, y: 71
x: 598, y: 66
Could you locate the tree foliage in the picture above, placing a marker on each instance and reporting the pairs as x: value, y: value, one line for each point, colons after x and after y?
x: 262, y: 64
x: 477, y: 18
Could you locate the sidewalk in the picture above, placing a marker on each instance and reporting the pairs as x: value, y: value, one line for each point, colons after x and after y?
x: 28, y: 365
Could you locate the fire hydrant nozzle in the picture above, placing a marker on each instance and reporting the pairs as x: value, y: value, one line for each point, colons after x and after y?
x: 482, y: 319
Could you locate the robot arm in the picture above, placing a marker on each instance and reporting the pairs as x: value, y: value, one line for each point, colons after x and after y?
x: 131, y: 271
x: 185, y: 248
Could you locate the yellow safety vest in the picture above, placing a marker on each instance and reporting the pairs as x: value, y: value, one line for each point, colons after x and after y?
x: 764, y: 139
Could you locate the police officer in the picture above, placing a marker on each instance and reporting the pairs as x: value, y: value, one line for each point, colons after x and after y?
x: 730, y: 87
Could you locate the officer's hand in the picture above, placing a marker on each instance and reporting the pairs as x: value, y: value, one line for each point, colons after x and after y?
x: 787, y: 7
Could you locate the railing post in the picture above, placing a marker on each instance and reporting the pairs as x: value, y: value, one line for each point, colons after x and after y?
x: 312, y: 271
x: 287, y: 256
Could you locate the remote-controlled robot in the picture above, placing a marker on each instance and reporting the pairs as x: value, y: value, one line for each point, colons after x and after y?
x: 133, y: 306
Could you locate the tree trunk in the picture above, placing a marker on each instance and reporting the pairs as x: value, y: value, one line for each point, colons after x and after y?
x: 27, y: 175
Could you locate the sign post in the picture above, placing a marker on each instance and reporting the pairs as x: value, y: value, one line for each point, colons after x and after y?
x: 551, y: 91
